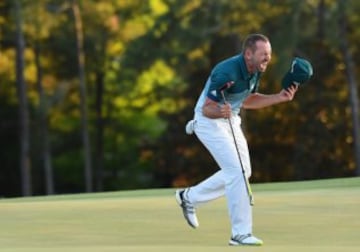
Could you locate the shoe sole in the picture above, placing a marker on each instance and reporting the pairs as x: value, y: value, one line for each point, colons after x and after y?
x: 233, y: 243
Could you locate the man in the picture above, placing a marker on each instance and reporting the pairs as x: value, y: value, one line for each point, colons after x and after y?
x: 237, y: 78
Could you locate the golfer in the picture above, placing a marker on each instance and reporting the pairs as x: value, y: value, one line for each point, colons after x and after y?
x: 238, y: 78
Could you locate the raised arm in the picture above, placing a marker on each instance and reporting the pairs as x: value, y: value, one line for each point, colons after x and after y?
x: 257, y: 100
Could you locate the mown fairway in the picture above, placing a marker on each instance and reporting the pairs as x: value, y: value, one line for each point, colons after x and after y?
x: 305, y: 216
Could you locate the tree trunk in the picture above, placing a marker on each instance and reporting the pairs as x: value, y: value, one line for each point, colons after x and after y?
x: 350, y: 75
x: 25, y: 167
x: 99, y: 153
x: 83, y: 94
x: 43, y: 126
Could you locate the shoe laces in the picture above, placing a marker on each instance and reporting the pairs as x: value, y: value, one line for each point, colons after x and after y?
x: 186, y: 204
x: 240, y: 238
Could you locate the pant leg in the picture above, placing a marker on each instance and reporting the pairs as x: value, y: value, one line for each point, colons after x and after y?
x: 217, y: 137
x: 209, y: 189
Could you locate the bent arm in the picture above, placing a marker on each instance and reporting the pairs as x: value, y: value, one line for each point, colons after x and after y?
x: 213, y: 110
x: 257, y: 100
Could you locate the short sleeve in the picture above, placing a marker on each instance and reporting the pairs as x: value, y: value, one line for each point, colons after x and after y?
x: 217, y: 81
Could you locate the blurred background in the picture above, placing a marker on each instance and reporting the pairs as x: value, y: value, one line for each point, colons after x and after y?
x: 95, y: 95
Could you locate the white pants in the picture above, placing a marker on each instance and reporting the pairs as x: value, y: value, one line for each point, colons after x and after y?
x: 217, y: 137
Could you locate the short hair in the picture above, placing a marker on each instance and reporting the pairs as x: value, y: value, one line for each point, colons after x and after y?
x: 250, y: 41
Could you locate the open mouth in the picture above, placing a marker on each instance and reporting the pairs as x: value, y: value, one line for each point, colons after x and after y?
x: 263, y: 65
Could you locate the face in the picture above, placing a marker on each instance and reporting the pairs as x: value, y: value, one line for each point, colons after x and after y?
x: 258, y: 60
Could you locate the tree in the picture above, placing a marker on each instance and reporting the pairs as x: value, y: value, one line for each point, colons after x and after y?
x: 146, y: 63
x: 25, y: 162
x: 351, y: 78
x: 43, y: 109
x: 83, y: 94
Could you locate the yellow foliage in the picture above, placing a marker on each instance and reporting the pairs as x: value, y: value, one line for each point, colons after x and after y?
x: 159, y: 74
x: 134, y: 28
x: 189, y: 7
x: 7, y: 64
x: 143, y: 94
x: 196, y: 54
x: 115, y: 48
x: 121, y: 102
x: 74, y: 98
x: 158, y: 7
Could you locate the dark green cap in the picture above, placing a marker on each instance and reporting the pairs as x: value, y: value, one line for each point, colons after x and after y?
x: 299, y: 72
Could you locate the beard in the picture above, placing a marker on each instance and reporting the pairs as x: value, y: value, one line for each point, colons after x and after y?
x: 260, y: 66
x: 257, y: 65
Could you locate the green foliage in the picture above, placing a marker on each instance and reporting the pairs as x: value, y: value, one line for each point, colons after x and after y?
x: 146, y: 63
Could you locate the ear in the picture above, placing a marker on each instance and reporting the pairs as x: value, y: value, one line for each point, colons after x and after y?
x: 248, y: 53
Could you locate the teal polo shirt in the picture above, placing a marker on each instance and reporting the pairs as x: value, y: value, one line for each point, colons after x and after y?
x: 231, y: 69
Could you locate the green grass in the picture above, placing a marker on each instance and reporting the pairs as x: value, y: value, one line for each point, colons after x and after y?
x: 303, y: 216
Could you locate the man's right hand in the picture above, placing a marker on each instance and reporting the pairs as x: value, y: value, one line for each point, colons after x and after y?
x: 214, y: 110
x: 225, y: 110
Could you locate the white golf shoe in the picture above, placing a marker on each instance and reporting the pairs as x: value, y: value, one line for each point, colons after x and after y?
x: 187, y: 208
x: 245, y: 240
